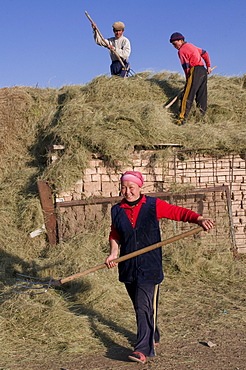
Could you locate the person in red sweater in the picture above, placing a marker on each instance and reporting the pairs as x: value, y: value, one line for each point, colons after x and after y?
x: 135, y: 225
x: 192, y: 60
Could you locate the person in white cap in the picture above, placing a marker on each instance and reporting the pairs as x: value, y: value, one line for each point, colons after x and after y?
x: 120, y: 44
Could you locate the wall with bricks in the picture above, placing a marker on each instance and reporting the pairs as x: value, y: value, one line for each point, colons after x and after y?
x: 197, y: 171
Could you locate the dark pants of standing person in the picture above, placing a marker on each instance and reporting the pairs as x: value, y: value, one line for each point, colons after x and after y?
x: 145, y: 302
x: 195, y: 88
x: 117, y: 69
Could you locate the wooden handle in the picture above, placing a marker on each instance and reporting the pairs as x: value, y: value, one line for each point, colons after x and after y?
x: 87, y: 15
x: 130, y: 255
x: 103, y: 40
x: 173, y: 101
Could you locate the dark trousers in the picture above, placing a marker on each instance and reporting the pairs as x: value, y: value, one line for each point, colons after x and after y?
x: 117, y: 69
x: 145, y: 302
x: 195, y: 88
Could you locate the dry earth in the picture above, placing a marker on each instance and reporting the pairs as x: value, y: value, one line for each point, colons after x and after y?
x: 188, y: 352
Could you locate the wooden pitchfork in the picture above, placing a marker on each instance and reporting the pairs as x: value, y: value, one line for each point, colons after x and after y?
x: 37, y: 285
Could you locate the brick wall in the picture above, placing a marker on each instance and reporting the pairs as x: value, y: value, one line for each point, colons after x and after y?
x: 196, y: 171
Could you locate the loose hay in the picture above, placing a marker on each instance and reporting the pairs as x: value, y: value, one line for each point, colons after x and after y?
x: 108, y: 116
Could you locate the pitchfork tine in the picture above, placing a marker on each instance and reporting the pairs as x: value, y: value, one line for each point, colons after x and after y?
x: 44, y: 282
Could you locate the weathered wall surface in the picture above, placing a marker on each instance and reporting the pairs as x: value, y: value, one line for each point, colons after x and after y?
x: 198, y: 171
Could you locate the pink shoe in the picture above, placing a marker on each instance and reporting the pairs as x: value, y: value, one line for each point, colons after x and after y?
x: 138, y: 357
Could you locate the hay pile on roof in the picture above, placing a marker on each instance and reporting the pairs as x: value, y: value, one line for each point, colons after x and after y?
x: 110, y: 115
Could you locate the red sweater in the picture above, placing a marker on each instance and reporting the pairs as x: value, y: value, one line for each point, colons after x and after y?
x: 163, y: 210
x: 191, y: 56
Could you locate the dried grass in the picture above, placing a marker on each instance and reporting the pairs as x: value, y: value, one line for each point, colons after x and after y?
x: 108, y: 116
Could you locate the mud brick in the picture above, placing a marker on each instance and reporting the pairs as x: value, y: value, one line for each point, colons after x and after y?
x: 178, y: 179
x: 190, y: 173
x: 182, y: 165
x: 64, y: 194
x: 239, y: 228
x: 87, y: 178
x: 236, y: 187
x: 211, y: 179
x: 158, y: 178
x: 95, y: 178
x: 223, y: 165
x: 221, y: 179
x: 94, y: 163
x: 148, y: 187
x: 193, y: 180
x: 168, y: 179
x: 90, y: 171
x: 101, y: 170
x: 222, y: 173
x: 209, y: 172
x: 170, y: 165
x: 157, y: 170
x: 237, y: 196
x: 186, y: 180
x: 241, y: 241
x: 241, y: 250
x: 105, y: 178
x: 237, y: 162
x: 142, y: 163
x: 190, y: 165
x: 235, y: 204
x: 208, y: 165
x: 76, y: 196
x: 110, y: 171
x: 204, y: 179
x: 238, y: 179
x: 92, y: 188
x: 239, y: 171
x: 171, y: 172
x: 147, y: 171
x: 137, y: 163
x: 241, y: 213
x: 67, y: 198
x: 78, y: 187
x: 143, y: 170
x: 115, y: 178
x: 154, y: 178
x: 126, y: 168
x: 110, y: 189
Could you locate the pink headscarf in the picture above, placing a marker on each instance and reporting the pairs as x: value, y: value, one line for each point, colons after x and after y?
x: 133, y: 176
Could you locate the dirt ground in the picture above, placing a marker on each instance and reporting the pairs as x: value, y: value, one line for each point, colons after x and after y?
x: 228, y: 353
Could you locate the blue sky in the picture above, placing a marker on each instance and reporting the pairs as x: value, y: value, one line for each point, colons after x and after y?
x: 49, y: 43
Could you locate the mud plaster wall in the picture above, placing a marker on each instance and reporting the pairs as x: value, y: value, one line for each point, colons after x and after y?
x: 198, y: 171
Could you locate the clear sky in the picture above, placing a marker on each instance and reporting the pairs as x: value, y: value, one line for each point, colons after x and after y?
x: 49, y: 43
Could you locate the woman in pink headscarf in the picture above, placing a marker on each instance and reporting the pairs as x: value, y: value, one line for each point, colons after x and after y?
x: 135, y: 225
